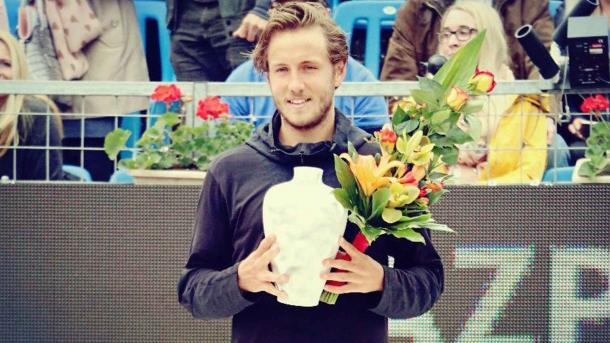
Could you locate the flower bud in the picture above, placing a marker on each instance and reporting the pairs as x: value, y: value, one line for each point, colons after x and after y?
x: 482, y: 81
x: 456, y: 98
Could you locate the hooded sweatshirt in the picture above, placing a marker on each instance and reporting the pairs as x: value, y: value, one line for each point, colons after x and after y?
x: 229, y: 226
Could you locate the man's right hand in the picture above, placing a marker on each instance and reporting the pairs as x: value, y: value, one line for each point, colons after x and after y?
x: 253, y: 274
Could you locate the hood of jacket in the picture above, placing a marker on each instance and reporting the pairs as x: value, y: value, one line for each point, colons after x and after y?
x: 266, y: 142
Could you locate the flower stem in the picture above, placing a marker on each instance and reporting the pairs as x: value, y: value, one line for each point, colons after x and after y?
x: 329, y: 298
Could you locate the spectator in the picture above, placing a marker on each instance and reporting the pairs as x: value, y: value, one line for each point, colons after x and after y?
x: 304, y: 54
x: 417, y: 24
x: 577, y: 128
x: 24, y: 125
x: 512, y: 148
x: 367, y: 112
x: 116, y: 55
x: 210, y: 37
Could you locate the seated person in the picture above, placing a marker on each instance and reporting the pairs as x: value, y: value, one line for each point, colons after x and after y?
x: 367, y: 112
x: 21, y: 126
x: 512, y: 148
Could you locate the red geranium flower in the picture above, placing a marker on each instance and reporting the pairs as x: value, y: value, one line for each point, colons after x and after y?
x: 211, y: 108
x: 594, y: 104
x: 166, y: 93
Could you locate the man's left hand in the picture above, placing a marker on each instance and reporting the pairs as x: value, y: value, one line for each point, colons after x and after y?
x: 250, y: 28
x: 362, y: 274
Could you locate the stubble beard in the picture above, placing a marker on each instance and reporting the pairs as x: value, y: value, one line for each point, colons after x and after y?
x: 322, y: 113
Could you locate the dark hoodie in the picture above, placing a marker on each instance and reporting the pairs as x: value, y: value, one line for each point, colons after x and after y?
x: 229, y: 227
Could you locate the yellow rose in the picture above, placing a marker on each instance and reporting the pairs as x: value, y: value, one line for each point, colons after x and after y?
x: 456, y: 98
x: 482, y: 81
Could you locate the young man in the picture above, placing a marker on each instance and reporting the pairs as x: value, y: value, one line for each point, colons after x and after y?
x: 304, y: 54
x: 367, y: 112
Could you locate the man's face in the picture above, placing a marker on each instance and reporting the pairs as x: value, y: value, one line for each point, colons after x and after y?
x: 301, y: 77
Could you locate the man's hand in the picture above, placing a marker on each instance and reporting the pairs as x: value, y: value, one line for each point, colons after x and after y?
x: 253, y: 274
x: 250, y: 28
x: 576, y: 128
x: 362, y: 274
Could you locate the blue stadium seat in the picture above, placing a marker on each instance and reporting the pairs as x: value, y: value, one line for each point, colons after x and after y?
x: 376, y: 14
x: 121, y: 176
x: 150, y: 10
x: 12, y: 10
x: 80, y: 172
x: 559, y: 174
x: 553, y: 6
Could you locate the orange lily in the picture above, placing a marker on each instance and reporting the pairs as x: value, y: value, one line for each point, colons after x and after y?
x: 370, y: 175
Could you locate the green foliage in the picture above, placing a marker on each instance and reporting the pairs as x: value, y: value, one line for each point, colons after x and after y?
x: 169, y: 144
x: 598, y: 151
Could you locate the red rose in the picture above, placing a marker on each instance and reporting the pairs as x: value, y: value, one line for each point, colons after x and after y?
x: 166, y: 93
x: 211, y: 108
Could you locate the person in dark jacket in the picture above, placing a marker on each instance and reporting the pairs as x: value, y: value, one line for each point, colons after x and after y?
x: 210, y: 38
x: 303, y: 53
x: 415, y: 35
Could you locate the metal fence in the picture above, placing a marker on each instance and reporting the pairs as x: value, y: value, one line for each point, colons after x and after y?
x: 134, y: 90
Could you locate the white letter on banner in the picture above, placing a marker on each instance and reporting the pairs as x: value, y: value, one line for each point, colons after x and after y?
x: 511, y: 264
x: 421, y: 329
x: 567, y: 308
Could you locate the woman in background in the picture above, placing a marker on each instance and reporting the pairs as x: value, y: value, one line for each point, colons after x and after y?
x: 24, y: 124
x: 512, y: 147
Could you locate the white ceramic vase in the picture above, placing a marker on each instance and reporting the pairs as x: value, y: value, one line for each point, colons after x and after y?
x: 307, y: 221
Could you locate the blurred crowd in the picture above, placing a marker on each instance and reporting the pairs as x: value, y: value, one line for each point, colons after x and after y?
x: 522, y: 135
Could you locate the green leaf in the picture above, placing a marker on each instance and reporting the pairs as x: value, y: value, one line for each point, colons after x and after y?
x: 586, y: 170
x: 371, y: 233
x: 351, y: 150
x: 409, y: 234
x: 431, y: 85
x: 345, y: 177
x: 449, y: 153
x: 472, y: 106
x: 434, y: 197
x: 343, y: 198
x: 380, y: 200
x: 440, y: 116
x: 425, y: 97
x: 357, y: 219
x: 398, y: 117
x: 169, y: 119
x: 459, y: 69
x: 406, y: 127
x: 115, y: 142
x: 391, y: 215
x: 405, y: 221
x: 458, y: 136
x: 434, y: 226
x: 474, y: 126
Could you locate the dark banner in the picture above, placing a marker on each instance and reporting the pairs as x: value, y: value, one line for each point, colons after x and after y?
x: 93, y: 263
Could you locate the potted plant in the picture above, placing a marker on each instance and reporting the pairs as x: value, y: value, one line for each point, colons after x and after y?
x: 595, y: 167
x: 174, y: 151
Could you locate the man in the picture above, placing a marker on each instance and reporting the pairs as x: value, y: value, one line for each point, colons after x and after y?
x: 367, y: 112
x: 415, y: 36
x: 211, y: 37
x: 304, y: 54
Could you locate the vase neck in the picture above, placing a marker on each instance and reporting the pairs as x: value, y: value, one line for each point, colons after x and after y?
x: 304, y: 174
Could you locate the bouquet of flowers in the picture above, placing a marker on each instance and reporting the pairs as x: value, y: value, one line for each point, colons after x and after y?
x: 391, y: 193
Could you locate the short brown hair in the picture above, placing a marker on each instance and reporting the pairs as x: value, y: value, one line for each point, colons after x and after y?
x: 296, y: 15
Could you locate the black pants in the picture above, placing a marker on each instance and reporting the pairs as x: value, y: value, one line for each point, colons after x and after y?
x: 202, y: 46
